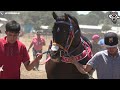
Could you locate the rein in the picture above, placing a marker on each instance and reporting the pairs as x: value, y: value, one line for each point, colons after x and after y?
x: 81, y: 56
x: 48, y: 58
x: 70, y: 38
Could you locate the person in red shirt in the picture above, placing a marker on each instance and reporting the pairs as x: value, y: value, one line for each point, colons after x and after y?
x: 13, y: 53
x: 37, y: 42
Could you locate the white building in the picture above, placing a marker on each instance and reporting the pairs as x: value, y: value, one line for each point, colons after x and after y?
x: 95, y: 29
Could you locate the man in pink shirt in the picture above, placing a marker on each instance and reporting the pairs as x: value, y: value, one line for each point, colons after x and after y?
x: 13, y: 53
x: 37, y: 42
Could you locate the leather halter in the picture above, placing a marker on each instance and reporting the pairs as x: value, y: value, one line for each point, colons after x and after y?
x: 70, y: 36
x: 86, y: 52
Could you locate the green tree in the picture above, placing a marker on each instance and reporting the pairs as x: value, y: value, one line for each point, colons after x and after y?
x: 92, y: 19
x: 106, y: 27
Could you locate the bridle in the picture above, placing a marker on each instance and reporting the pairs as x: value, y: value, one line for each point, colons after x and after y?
x: 70, y: 37
x: 64, y: 52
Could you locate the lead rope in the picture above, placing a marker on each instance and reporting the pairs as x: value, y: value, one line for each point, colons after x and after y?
x: 48, y: 58
x: 90, y: 76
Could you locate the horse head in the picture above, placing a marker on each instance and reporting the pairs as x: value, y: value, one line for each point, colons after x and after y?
x: 66, y: 36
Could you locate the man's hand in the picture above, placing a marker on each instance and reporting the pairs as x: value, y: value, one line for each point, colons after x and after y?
x: 28, y: 50
x: 39, y: 56
x: 79, y: 66
x: 73, y: 60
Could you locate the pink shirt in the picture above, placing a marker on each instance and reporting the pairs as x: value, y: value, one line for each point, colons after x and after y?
x: 38, y: 43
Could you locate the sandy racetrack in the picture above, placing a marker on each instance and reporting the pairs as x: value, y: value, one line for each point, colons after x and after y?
x: 26, y: 39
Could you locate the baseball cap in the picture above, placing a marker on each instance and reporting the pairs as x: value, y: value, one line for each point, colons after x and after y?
x: 94, y: 37
x: 111, y: 39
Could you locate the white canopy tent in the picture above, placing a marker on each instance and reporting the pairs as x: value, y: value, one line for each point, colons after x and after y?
x: 3, y: 19
x: 1, y: 24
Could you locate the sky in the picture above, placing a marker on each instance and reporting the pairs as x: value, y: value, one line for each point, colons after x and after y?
x: 83, y: 12
x: 86, y: 12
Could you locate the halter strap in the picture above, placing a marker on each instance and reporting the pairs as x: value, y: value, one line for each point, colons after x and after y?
x: 70, y: 36
x: 62, y: 22
x: 81, y: 56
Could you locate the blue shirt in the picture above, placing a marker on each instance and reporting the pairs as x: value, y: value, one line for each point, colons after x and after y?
x: 106, y: 66
x: 101, y: 42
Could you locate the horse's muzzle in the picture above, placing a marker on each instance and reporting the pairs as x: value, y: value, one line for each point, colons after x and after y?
x: 55, y: 56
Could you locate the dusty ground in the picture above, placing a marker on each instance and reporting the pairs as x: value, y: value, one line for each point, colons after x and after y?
x: 36, y: 74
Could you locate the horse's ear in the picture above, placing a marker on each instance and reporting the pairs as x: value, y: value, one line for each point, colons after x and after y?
x: 66, y: 16
x: 73, y: 18
x: 54, y: 15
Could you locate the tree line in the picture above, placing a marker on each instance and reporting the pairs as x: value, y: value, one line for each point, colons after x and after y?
x: 38, y: 18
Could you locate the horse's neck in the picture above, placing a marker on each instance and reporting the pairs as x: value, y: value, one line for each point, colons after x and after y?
x: 76, y: 48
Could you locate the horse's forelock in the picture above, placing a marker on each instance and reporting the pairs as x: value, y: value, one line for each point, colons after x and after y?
x: 62, y: 18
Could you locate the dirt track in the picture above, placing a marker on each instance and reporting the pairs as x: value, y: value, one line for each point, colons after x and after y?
x: 33, y: 74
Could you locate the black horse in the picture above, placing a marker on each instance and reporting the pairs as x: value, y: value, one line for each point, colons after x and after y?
x: 68, y: 39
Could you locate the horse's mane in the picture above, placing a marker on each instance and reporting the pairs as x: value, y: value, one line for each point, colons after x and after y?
x: 75, y: 21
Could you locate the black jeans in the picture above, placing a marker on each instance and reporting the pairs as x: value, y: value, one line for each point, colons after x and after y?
x: 34, y: 56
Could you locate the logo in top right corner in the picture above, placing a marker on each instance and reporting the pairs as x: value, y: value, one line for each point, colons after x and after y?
x: 114, y: 16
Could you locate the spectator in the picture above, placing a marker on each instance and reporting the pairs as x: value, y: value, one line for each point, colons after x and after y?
x: 101, y: 43
x: 106, y: 62
x: 95, y: 46
x: 37, y: 42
